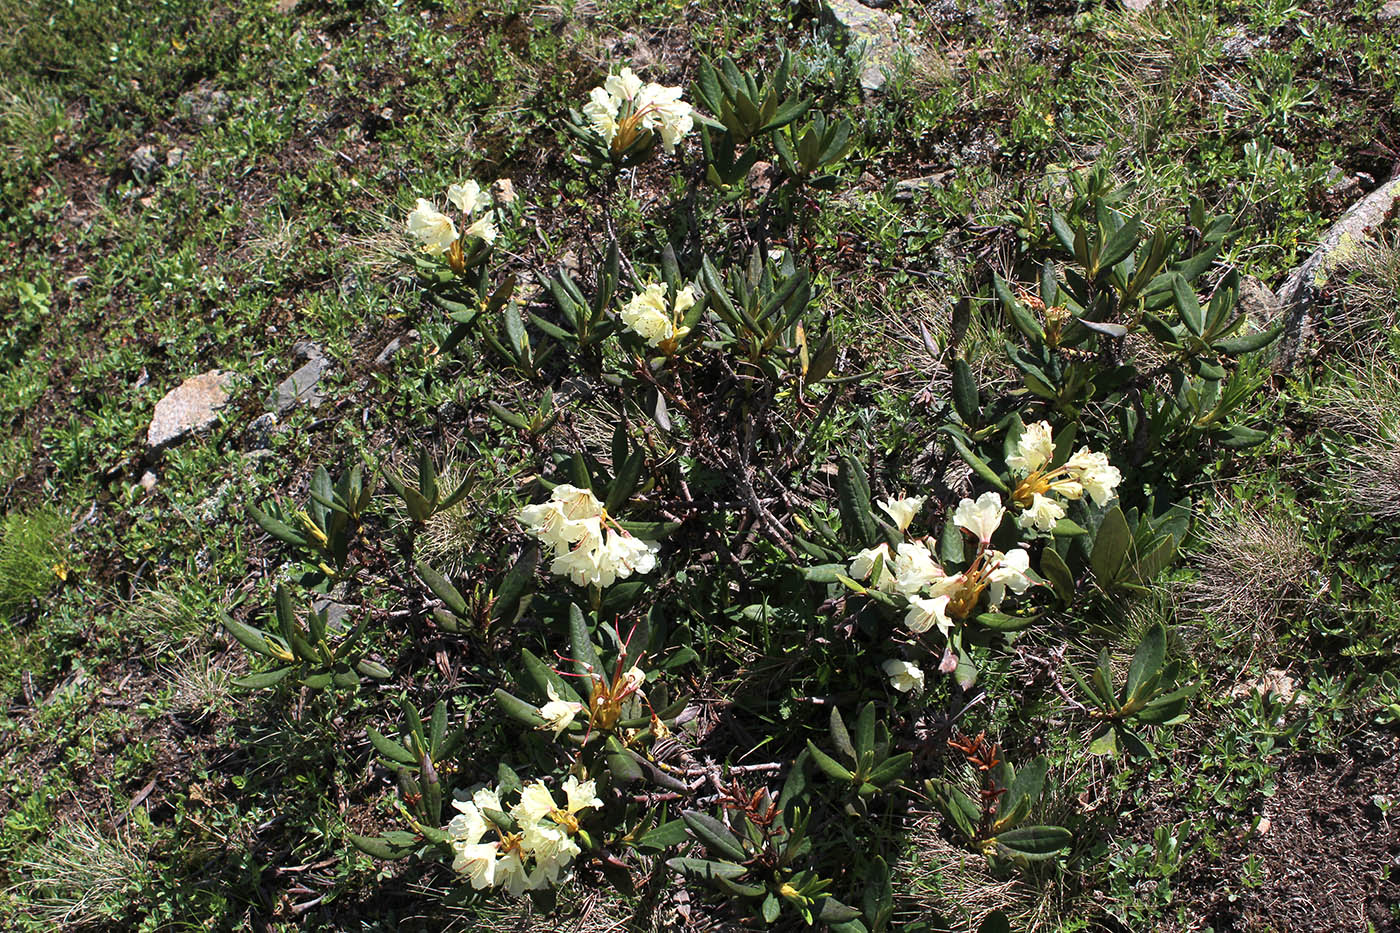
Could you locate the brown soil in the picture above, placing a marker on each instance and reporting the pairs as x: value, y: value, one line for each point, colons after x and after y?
x: 1326, y: 860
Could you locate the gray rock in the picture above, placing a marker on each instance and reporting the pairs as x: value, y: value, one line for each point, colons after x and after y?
x: 336, y: 613
x: 144, y: 160
x: 876, y: 31
x: 909, y: 188
x: 308, y: 350
x: 1259, y: 302
x: 174, y: 157
x: 204, y: 104
x: 301, y: 387
x: 1137, y: 6
x: 1300, y: 291
x: 148, y: 481
x: 392, y: 348
x: 504, y: 190
x: 1390, y: 11
x: 258, y: 434
x: 191, y: 406
x: 761, y: 178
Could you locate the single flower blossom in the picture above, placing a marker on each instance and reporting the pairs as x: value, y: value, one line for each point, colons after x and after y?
x: 1034, y: 449
x: 468, y: 197
x: 904, y: 676
x: 433, y: 229
x: 601, y: 111
x: 625, y: 85
x: 1098, y: 477
x: 536, y: 802
x: 902, y: 511
x: 914, y: 568
x: 864, y: 563
x: 925, y: 613
x: 558, y: 714
x: 483, y: 229
x: 1042, y: 514
x: 1009, y: 572
x: 982, y: 517
x: 582, y: 796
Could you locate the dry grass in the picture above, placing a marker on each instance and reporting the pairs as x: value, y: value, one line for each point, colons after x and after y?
x: 941, y: 879
x: 198, y: 686
x: 1369, y: 309
x: 1363, y: 402
x: 449, y: 536
x: 1255, y: 571
x: 81, y: 875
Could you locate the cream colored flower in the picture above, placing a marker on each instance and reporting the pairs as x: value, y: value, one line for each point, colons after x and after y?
x: 982, y: 517
x: 1042, y: 514
x: 924, y: 614
x: 903, y: 676
x: 483, y: 229
x: 902, y: 511
x: 1035, y: 448
x: 914, y: 568
x: 477, y: 861
x: 663, y: 109
x: 487, y: 798
x: 432, y: 228
x: 468, y: 197
x: 582, y: 796
x: 552, y: 850
x: 535, y: 804
x: 863, y: 564
x: 558, y: 714
x: 625, y: 85
x: 468, y: 826
x: 1009, y: 572
x: 631, y: 554
x: 647, y: 315
x: 512, y: 876
x: 601, y: 111
x: 1098, y: 477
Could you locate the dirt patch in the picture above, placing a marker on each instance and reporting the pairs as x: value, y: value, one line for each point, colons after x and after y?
x: 1323, y: 858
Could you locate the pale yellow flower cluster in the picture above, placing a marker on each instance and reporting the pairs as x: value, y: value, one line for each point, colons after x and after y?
x: 936, y: 598
x: 1085, y: 472
x: 436, y: 232
x: 590, y: 548
x: 625, y: 107
x: 649, y: 317
x: 535, y: 853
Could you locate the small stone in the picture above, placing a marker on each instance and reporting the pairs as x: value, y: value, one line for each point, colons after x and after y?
x: 875, y: 30
x: 1390, y: 11
x: 336, y: 613
x: 144, y: 160
x: 203, y: 104
x: 504, y: 190
x: 148, y: 481
x: 907, y: 189
x: 174, y: 157
x: 191, y: 406
x: 760, y: 179
x: 392, y: 348
x: 286, y: 6
x: 1137, y: 6
x: 308, y: 350
x: 569, y: 262
x: 258, y: 434
x: 300, y: 387
x: 1258, y: 302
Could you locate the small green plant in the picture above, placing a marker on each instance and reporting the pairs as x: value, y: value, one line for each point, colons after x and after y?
x: 33, y: 558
